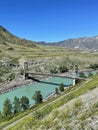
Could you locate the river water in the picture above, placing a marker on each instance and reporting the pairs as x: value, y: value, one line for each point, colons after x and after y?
x: 46, y: 87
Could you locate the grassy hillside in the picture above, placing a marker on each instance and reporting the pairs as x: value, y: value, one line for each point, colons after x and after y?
x: 16, y: 50
x: 75, y: 109
x: 83, y: 43
x: 6, y: 37
x: 43, y: 58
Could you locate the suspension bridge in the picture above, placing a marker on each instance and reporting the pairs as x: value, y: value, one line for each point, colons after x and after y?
x: 73, y: 77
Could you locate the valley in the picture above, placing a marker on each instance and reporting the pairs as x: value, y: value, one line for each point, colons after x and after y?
x: 51, y: 114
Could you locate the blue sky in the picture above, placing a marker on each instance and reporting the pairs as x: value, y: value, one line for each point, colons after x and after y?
x: 50, y: 20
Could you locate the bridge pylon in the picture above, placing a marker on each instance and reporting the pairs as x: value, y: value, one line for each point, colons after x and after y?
x: 25, y: 70
x: 76, y: 70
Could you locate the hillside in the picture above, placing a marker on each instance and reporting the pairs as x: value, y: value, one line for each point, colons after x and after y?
x: 75, y: 109
x: 15, y: 51
x: 6, y: 37
x: 85, y: 43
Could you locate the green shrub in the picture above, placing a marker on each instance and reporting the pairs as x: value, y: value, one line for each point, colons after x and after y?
x: 95, y: 105
x: 11, y: 77
x: 63, y: 69
x: 61, y: 88
x: 54, y: 70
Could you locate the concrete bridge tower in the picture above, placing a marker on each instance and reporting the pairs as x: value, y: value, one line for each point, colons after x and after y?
x: 76, y: 70
x: 25, y: 70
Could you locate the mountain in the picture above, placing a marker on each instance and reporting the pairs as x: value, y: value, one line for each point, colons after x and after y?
x: 7, y: 37
x: 84, y: 43
x: 80, y: 43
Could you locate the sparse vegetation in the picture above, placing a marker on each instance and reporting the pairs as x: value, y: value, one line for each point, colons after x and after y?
x: 94, y: 66
x: 82, y: 75
x: 11, y: 77
x: 54, y: 70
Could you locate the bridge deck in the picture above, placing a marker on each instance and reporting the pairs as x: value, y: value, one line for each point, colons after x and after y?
x: 55, y: 75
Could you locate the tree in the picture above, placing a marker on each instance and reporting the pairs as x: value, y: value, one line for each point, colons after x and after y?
x: 1, y: 116
x: 90, y: 74
x: 17, y: 105
x: 38, y: 97
x: 63, y: 69
x: 24, y: 102
x: 61, y: 88
x: 56, y: 91
x: 82, y: 75
x: 11, y: 77
x: 7, y: 109
x: 93, y: 66
x: 53, y: 70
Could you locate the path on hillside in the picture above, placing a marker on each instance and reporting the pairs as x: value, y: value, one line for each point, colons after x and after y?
x: 16, y: 122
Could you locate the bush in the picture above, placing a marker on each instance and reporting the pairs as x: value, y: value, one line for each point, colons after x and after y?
x: 10, y: 48
x: 82, y: 75
x: 61, y: 88
x: 54, y: 70
x: 56, y: 91
x: 93, y: 66
x: 63, y: 69
x: 1, y: 80
x: 11, y: 77
x: 90, y: 74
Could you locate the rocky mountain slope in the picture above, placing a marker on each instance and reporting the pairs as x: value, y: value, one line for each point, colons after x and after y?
x: 6, y: 37
x: 80, y: 43
x: 85, y: 43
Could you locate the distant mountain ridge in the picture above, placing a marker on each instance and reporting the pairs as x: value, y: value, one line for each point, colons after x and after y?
x: 7, y: 37
x: 84, y: 43
x: 80, y: 43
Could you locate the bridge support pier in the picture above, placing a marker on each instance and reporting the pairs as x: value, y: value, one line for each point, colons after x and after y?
x: 74, y: 82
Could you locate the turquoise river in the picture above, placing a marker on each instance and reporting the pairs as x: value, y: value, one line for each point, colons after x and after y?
x: 46, y: 87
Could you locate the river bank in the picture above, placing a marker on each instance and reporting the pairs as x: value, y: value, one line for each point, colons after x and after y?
x: 8, y: 86
x: 20, y: 82
x: 15, y: 84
